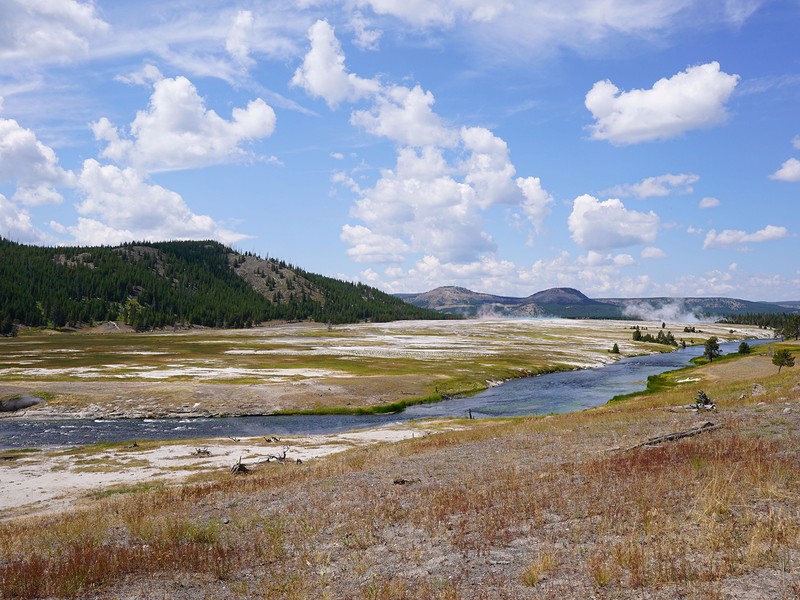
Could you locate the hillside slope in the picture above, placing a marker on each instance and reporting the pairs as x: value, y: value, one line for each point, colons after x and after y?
x: 154, y: 285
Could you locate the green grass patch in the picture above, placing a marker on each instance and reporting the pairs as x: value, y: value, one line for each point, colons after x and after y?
x: 655, y: 384
x: 702, y: 360
x: 15, y: 453
x: 379, y: 409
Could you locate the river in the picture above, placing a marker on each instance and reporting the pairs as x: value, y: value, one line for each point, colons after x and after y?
x: 545, y: 394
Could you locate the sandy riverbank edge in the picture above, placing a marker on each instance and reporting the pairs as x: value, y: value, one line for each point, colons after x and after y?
x: 54, y: 480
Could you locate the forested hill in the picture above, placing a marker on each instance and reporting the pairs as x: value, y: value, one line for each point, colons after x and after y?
x: 153, y: 285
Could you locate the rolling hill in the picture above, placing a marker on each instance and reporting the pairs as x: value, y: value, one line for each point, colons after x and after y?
x: 167, y: 284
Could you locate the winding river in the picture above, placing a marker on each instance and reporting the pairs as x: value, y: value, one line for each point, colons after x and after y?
x: 551, y: 393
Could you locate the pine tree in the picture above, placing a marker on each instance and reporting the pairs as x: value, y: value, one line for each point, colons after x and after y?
x: 782, y: 358
x: 712, y: 350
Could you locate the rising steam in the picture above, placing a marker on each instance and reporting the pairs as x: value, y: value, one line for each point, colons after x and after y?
x: 675, y: 311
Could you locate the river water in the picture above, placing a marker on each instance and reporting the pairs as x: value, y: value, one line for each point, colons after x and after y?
x: 545, y: 394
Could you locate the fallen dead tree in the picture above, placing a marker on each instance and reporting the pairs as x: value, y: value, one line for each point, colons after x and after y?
x: 239, y: 468
x: 702, y: 402
x: 678, y: 435
x: 281, y: 458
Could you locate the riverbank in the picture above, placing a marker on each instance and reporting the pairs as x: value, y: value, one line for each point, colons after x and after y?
x: 556, y: 392
x: 57, y: 479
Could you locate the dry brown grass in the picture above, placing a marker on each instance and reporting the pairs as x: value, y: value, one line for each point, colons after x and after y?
x: 522, y: 508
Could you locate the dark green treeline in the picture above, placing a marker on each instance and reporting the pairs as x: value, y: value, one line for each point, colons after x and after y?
x: 156, y: 285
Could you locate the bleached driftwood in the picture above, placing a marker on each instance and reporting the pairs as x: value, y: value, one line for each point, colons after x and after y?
x: 281, y: 458
x: 239, y: 467
x: 678, y: 435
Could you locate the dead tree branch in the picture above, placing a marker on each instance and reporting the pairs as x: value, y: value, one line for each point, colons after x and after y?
x: 239, y: 467
x: 678, y: 435
x: 281, y: 458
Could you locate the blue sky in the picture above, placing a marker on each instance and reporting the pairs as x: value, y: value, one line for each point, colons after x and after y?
x: 622, y: 147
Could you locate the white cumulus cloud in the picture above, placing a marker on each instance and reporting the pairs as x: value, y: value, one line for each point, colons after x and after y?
x: 120, y: 205
x: 488, y: 168
x: 92, y: 232
x: 436, y: 206
x: 323, y: 73
x: 692, y: 99
x: 433, y: 202
x: 405, y: 115
x: 596, y: 274
x: 419, y: 201
x: 367, y: 246
x: 49, y: 31
x: 789, y: 171
x: 421, y: 204
x: 597, y: 225
x: 536, y: 204
x: 729, y: 237
x: 146, y: 76
x: 486, y: 273
x: 16, y: 224
x: 178, y: 131
x: 29, y: 163
x: 37, y: 195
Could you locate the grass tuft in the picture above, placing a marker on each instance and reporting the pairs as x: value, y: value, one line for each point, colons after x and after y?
x: 544, y: 563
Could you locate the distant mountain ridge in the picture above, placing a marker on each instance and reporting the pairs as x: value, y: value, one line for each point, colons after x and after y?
x: 572, y: 303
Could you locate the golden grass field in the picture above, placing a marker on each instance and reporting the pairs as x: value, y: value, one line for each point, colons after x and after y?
x: 562, y: 506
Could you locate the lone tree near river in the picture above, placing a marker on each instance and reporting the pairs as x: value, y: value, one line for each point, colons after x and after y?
x: 782, y: 358
x: 712, y: 348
